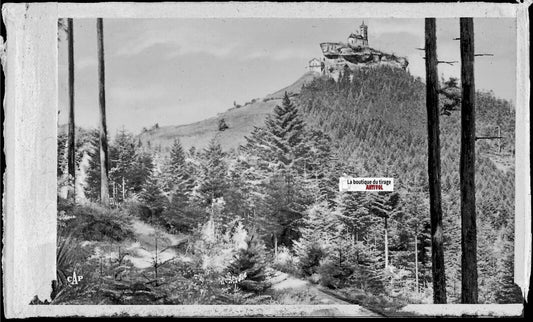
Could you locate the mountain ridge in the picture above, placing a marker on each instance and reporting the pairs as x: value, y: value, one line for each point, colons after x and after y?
x: 241, y: 121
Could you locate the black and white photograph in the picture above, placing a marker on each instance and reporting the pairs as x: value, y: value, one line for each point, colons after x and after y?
x: 361, y: 162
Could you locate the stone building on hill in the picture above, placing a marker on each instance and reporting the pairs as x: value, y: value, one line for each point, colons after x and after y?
x: 359, y: 39
x: 356, y: 53
x: 316, y: 65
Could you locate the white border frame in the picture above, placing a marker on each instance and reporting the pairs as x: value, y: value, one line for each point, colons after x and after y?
x: 30, y: 134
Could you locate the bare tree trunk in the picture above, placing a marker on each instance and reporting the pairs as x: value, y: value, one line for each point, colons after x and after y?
x: 499, y: 140
x: 435, y: 209
x: 275, y: 244
x: 104, y: 159
x: 156, y: 263
x: 386, y: 244
x: 469, y: 284
x: 114, y: 190
x: 354, y: 241
x: 416, y: 261
x: 71, y: 124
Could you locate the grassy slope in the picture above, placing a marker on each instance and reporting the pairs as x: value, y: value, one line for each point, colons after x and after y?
x: 294, y: 87
x: 241, y: 122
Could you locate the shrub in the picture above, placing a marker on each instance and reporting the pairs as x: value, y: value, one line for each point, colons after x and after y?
x: 95, y: 223
x: 190, y: 284
x: 285, y: 261
x: 309, y: 257
x: 181, y: 220
x: 222, y: 125
x: 378, y: 303
x: 70, y: 254
x: 214, y: 249
x: 131, y: 207
x: 331, y: 274
x: 336, y: 269
x: 64, y: 208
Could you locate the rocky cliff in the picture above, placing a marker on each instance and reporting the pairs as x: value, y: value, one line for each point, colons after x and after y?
x: 361, y: 57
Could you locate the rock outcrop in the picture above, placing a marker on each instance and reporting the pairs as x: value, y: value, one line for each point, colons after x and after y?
x: 355, y: 53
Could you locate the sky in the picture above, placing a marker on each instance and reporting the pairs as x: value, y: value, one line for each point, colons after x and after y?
x: 179, y: 71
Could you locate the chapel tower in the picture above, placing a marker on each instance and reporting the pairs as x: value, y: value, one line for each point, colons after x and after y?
x: 363, y: 31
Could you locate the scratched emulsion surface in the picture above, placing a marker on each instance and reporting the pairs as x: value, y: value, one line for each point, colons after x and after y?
x: 30, y: 146
x: 30, y: 141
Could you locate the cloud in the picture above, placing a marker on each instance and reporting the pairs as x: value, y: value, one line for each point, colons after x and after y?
x: 382, y: 26
x: 134, y: 94
x: 176, y: 45
x: 402, y: 43
x: 217, y: 50
x: 277, y: 55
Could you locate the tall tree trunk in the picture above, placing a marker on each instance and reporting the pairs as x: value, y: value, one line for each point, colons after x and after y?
x: 386, y: 244
x: 416, y: 260
x: 104, y: 172
x: 499, y: 140
x: 469, y: 286
x: 71, y: 125
x: 354, y: 241
x: 114, y: 190
x: 276, y: 243
x: 435, y: 209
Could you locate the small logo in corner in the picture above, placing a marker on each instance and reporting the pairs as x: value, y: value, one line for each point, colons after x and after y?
x: 74, y: 279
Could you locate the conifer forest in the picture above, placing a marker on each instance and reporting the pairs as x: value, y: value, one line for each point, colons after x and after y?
x: 185, y: 224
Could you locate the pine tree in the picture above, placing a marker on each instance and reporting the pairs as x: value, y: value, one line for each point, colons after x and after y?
x: 385, y: 205
x: 177, y: 181
x: 240, y: 191
x: 285, y: 137
x: 151, y: 193
x: 251, y: 261
x: 185, y: 209
x: 93, y: 174
x: 281, y: 149
x: 354, y: 211
x: 122, y: 156
x: 322, y: 168
x: 316, y: 238
x: 212, y: 182
x: 410, y: 236
x: 344, y: 78
x: 329, y: 185
x: 140, y: 171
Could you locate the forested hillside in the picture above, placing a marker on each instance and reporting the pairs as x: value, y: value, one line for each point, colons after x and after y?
x: 378, y: 119
x: 273, y: 204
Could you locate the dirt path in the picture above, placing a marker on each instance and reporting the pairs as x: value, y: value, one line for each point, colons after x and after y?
x: 142, y: 250
x: 283, y: 281
x: 141, y: 253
